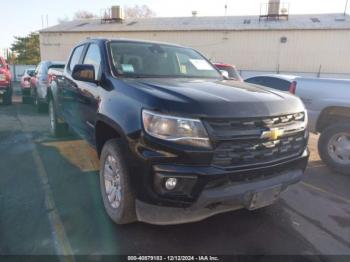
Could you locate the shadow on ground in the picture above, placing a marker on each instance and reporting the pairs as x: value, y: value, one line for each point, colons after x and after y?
x: 90, y: 231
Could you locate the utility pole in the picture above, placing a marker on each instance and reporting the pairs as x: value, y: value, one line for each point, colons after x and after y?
x: 346, y: 7
x: 226, y: 9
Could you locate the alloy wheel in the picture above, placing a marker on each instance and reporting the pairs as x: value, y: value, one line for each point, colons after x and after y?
x: 339, y: 148
x: 111, y: 174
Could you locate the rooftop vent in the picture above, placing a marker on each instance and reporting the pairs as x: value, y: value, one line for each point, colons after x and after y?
x: 274, y: 10
x: 274, y: 7
x: 246, y: 21
x: 115, y: 14
x: 315, y: 19
x: 131, y: 23
x: 340, y: 19
x: 82, y: 24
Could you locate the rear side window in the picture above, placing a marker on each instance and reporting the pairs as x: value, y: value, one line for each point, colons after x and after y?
x: 271, y: 82
x: 75, y: 58
x: 93, y: 57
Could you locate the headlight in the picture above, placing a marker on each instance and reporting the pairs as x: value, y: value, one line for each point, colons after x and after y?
x: 177, y: 129
x: 306, y: 118
x: 2, y: 77
x: 302, y: 116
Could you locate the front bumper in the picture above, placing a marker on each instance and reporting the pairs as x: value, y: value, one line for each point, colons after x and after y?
x: 224, y: 190
x: 5, y: 84
x: 4, y: 90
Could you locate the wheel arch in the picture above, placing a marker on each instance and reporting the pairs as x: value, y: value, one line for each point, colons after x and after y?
x: 330, y: 115
x: 106, y: 129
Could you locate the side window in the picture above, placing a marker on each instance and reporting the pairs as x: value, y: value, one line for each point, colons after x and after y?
x: 265, y: 81
x: 75, y: 58
x: 278, y: 84
x: 255, y: 80
x: 283, y: 85
x: 93, y: 57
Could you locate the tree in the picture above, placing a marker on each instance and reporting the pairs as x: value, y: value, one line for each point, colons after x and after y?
x: 83, y: 15
x: 27, y: 49
x: 63, y: 20
x: 139, y: 12
x: 80, y: 15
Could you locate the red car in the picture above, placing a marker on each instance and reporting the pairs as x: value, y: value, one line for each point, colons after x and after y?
x: 231, y: 70
x: 5, y: 82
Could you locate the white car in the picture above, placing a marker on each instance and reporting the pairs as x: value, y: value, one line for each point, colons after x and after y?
x: 328, y: 105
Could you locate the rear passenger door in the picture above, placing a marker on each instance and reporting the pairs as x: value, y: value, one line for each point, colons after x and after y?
x: 68, y: 92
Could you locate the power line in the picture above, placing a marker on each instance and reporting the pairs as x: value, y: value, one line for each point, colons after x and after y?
x: 346, y: 7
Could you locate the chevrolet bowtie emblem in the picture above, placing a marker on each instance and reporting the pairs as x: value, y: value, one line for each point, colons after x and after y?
x: 273, y: 133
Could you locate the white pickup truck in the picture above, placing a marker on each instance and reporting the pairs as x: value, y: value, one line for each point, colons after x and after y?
x: 328, y: 105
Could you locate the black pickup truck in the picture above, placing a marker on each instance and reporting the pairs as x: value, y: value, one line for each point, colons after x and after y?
x: 177, y: 141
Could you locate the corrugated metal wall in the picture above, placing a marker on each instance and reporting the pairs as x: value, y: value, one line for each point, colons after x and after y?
x: 304, y: 50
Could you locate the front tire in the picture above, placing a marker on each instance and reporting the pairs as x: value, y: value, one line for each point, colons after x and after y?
x: 334, y: 147
x: 57, y: 129
x: 117, y: 194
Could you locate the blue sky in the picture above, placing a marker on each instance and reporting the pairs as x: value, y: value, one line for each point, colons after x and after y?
x: 19, y: 17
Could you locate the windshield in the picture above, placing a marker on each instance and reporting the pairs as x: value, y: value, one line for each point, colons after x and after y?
x: 30, y: 72
x: 132, y: 59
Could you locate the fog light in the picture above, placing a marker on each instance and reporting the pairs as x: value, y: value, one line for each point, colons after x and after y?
x: 170, y: 183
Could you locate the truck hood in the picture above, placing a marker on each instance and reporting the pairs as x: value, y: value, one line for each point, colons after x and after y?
x: 214, y: 98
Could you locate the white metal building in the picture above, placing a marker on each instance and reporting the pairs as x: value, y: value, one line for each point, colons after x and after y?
x: 304, y: 43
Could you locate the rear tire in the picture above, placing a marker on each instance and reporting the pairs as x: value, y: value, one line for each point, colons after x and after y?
x: 118, y: 197
x: 39, y: 106
x: 7, y: 97
x: 26, y: 99
x: 334, y: 147
x: 57, y: 129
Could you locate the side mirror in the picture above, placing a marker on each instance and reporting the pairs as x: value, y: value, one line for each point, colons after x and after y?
x: 8, y: 67
x: 85, y: 73
x: 225, y: 74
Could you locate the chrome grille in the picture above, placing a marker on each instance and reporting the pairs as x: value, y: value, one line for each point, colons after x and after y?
x: 239, y: 142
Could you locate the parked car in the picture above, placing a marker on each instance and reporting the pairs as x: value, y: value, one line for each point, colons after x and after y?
x: 25, y: 84
x: 40, y: 81
x: 328, y: 105
x: 280, y: 82
x: 231, y: 70
x: 5, y: 82
x: 177, y: 143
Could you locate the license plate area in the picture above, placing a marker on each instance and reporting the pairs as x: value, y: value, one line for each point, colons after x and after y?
x: 264, y: 197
